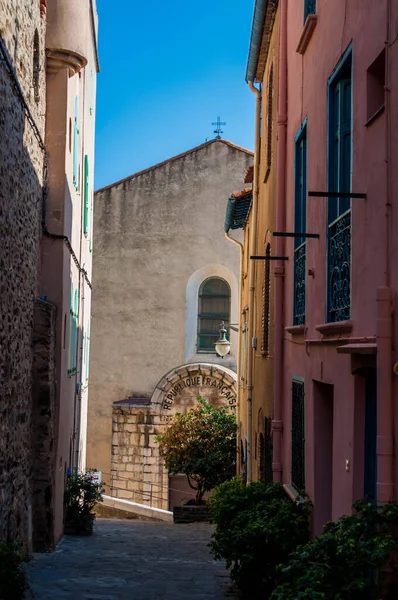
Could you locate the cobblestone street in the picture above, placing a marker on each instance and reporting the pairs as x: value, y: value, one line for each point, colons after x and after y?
x: 128, y: 560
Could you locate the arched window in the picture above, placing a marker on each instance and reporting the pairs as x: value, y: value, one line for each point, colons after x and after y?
x: 36, y: 66
x: 214, y: 306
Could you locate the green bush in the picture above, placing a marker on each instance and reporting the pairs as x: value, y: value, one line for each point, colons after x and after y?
x: 81, y: 496
x: 343, y: 563
x: 257, y: 528
x: 202, y: 445
x: 13, y: 577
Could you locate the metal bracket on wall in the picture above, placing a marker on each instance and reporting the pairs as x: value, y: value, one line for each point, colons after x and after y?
x: 336, y: 195
x: 269, y: 258
x: 295, y: 235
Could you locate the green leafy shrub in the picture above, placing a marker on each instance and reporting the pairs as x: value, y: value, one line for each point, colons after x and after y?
x: 13, y: 577
x: 81, y: 496
x: 202, y: 445
x: 343, y: 563
x: 257, y: 528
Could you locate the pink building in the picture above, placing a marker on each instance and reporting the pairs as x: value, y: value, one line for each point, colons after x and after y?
x: 335, y: 424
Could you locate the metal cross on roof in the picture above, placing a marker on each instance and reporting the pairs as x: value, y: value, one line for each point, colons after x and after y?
x: 218, y: 125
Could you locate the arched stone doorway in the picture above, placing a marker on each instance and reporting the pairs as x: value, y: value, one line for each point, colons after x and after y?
x: 138, y: 473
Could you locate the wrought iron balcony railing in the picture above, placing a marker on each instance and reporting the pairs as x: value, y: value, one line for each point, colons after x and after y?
x: 339, y: 269
x: 299, y: 285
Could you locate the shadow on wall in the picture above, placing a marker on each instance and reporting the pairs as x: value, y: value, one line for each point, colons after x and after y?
x: 20, y: 214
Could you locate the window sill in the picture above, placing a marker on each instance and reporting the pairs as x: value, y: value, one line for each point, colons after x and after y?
x: 306, y: 36
x: 295, y: 330
x: 374, y: 117
x: 332, y: 328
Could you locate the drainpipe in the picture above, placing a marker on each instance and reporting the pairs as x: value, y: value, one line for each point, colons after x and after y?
x: 385, y: 405
x: 253, y: 246
x: 240, y: 246
x: 279, y: 270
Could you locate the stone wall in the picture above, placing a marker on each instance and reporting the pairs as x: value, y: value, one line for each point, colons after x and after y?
x: 138, y: 472
x: 43, y: 419
x: 21, y: 165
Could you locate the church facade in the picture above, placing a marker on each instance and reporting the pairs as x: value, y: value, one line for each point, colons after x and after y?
x: 163, y: 280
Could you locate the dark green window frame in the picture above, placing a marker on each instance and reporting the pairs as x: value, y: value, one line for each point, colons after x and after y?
x: 208, y: 335
x: 300, y: 224
x: 298, y: 434
x: 339, y: 180
x: 309, y: 8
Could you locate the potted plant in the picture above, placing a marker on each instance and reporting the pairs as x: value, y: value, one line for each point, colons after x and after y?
x: 81, y: 495
x: 200, y: 444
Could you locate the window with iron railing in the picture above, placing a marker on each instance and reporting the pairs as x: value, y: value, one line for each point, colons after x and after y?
x: 265, y: 453
x: 214, y: 307
x: 339, y: 209
x: 300, y: 225
x: 298, y: 439
x: 265, y: 319
x: 309, y: 8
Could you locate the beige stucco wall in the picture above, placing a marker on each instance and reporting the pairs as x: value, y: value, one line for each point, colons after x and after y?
x: 60, y: 275
x: 152, y: 233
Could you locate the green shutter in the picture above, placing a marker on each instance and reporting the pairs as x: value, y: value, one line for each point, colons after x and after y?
x: 86, y: 196
x: 76, y: 143
x: 71, y: 325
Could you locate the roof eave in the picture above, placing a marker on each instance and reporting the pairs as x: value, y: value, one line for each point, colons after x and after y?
x: 263, y: 20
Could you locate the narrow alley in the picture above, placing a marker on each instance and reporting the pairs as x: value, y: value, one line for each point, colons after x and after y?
x: 131, y: 559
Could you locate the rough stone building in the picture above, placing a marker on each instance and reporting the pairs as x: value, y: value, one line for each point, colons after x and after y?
x: 163, y: 279
x: 48, y: 63
x: 22, y: 110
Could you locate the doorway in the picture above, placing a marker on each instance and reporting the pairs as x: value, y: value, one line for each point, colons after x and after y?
x: 323, y: 454
x: 370, y: 458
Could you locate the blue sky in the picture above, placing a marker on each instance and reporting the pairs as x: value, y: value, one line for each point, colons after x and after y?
x: 168, y: 69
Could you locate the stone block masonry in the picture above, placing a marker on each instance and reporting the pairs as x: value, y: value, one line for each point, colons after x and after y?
x: 21, y: 167
x: 137, y: 470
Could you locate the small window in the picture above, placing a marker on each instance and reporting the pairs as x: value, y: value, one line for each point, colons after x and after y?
x: 214, y: 307
x: 243, y: 353
x: 265, y: 450
x: 266, y: 303
x: 36, y: 66
x: 298, y: 440
x: 375, y: 83
x: 309, y: 8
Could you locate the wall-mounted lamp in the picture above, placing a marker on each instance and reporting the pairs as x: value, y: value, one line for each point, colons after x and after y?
x: 223, y: 346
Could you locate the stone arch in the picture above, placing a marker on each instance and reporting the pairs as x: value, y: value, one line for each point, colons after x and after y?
x: 180, y: 386
x: 192, y: 291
